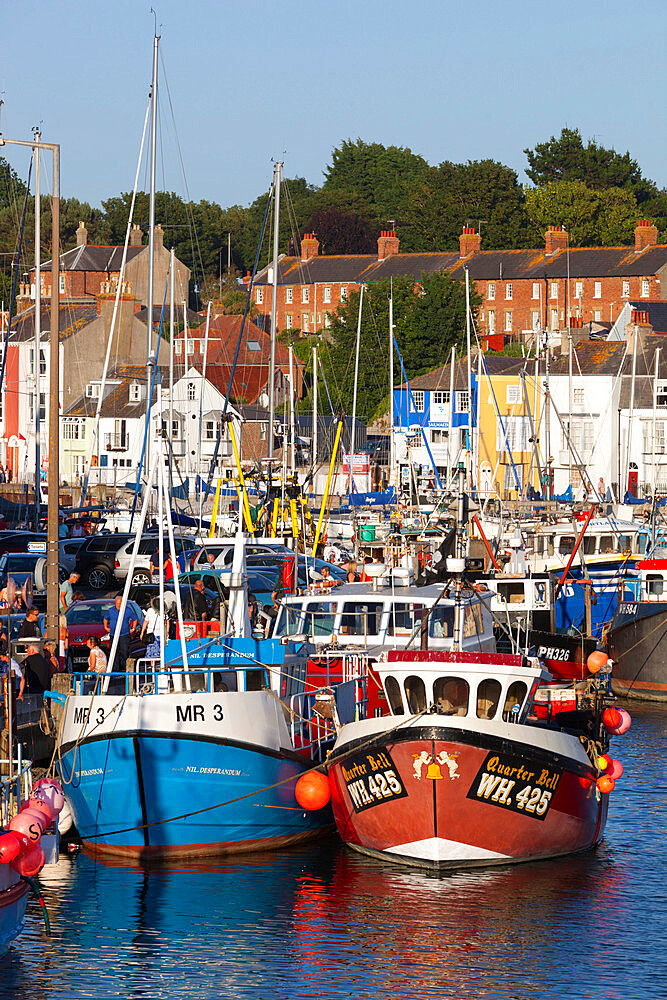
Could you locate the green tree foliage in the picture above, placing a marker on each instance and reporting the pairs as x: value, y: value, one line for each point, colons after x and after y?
x: 566, y: 158
x: 380, y: 175
x: 429, y: 318
x: 341, y: 232
x: 482, y: 193
x: 591, y: 218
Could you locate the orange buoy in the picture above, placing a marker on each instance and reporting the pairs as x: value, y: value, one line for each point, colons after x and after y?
x: 611, y: 718
x: 312, y: 790
x: 28, y: 823
x: 615, y: 769
x: 605, y: 783
x: 596, y: 661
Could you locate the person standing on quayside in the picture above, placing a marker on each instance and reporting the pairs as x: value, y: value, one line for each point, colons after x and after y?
x: 37, y: 673
x: 12, y: 668
x: 127, y: 626
x: 154, y: 566
x: 67, y: 592
x: 30, y: 625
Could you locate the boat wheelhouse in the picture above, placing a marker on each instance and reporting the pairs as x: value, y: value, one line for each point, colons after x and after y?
x: 360, y: 615
x: 637, y: 636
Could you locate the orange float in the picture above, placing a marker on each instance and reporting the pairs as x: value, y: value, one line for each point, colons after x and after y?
x: 596, y: 661
x: 605, y: 784
x: 312, y: 790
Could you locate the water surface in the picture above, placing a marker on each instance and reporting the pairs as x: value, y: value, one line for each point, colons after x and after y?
x: 323, y: 922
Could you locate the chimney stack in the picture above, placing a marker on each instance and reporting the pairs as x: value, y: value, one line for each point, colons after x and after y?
x: 136, y: 236
x: 555, y: 239
x: 310, y: 246
x: 469, y: 241
x: 646, y: 235
x: 81, y: 235
x: 158, y: 236
x: 387, y: 244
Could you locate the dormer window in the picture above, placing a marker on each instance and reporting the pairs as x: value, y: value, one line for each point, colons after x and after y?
x: 93, y: 390
x: 135, y: 392
x: 192, y: 391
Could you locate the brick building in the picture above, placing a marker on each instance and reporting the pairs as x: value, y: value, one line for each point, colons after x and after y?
x: 86, y: 269
x: 521, y: 290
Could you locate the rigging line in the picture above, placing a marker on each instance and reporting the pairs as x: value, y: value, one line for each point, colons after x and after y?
x: 188, y: 207
x: 16, y: 274
x: 214, y: 459
x: 114, y: 315
x: 149, y: 401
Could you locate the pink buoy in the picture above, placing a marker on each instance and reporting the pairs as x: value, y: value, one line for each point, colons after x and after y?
x: 624, y: 725
x: 44, y: 808
x: 30, y: 824
x: 30, y: 863
x: 615, y: 769
x: 49, y: 791
x: 10, y: 847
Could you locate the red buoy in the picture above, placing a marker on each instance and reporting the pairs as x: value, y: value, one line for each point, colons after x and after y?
x: 30, y: 863
x: 312, y: 790
x: 605, y: 783
x: 10, y: 848
x: 615, y: 769
x: 611, y: 717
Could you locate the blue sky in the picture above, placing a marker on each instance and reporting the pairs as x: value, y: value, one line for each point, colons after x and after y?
x: 255, y: 80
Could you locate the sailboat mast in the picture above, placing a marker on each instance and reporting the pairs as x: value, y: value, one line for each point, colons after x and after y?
x: 470, y: 440
x: 150, y: 359
x: 170, y: 432
x: 313, y: 457
x: 38, y: 328
x: 277, y: 168
x: 391, y: 385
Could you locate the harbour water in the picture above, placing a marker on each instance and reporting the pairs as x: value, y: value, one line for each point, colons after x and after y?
x: 324, y: 922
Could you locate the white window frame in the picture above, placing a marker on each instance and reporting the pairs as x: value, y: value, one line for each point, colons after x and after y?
x: 645, y: 288
x: 597, y: 290
x: 536, y: 290
x: 578, y: 396
x: 509, y: 321
x: 440, y: 397
x: 579, y: 290
x: 288, y: 321
x: 327, y: 293
x: 491, y: 321
x: 512, y: 394
x: 418, y: 400
x: 491, y: 290
x: 462, y: 401
x: 626, y: 289
x: 509, y: 291
x: 289, y: 295
x: 191, y: 391
x: 554, y: 318
x: 178, y: 347
x: 553, y: 291
x: 305, y: 295
x: 259, y: 296
x: 343, y: 292
x: 134, y: 394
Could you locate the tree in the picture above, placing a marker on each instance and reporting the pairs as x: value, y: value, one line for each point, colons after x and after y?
x: 381, y: 175
x: 566, y: 158
x: 429, y: 317
x: 480, y: 193
x: 341, y: 232
x: 591, y: 218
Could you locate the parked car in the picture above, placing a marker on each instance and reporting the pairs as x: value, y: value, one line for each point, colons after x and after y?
x: 96, y: 558
x: 67, y: 550
x: 185, y: 545
x: 17, y: 541
x: 224, y: 552
x: 86, y: 618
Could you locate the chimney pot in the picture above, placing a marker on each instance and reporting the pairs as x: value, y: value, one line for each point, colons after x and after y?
x: 555, y: 239
x: 388, y: 244
x: 469, y: 241
x: 81, y: 235
x: 310, y: 246
x: 136, y: 236
x: 646, y: 235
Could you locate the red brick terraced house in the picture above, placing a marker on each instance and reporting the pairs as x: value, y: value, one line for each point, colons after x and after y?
x: 521, y: 290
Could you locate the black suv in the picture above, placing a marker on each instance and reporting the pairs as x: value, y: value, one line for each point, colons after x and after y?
x: 96, y: 558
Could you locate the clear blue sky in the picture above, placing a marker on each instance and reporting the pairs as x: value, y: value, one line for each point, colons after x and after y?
x: 254, y: 80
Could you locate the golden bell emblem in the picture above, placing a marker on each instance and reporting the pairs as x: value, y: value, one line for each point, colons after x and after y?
x: 433, y: 771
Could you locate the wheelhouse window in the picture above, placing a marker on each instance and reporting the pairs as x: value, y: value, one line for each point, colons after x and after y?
x: 415, y: 694
x: 451, y: 695
x: 488, y: 697
x: 566, y: 544
x: 511, y: 593
x: 361, y: 618
x: 288, y: 620
x: 404, y: 619
x: 514, y: 699
x: 472, y: 622
x: 320, y: 618
x: 393, y: 689
x: 654, y: 584
x: 441, y: 623
x: 607, y: 544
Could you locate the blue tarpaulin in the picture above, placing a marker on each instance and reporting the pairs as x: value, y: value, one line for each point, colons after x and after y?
x: 371, y: 499
x: 565, y: 497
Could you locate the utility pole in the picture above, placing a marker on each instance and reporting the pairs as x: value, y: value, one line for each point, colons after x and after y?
x: 52, y: 582
x: 37, y: 368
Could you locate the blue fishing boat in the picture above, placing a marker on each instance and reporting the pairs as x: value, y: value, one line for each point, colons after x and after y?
x: 198, y: 762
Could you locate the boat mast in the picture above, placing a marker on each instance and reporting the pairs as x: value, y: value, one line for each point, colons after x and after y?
x: 354, y: 396
x: 170, y: 432
x: 37, y: 368
x: 277, y: 167
x: 391, y: 384
x: 291, y: 413
x: 470, y: 439
x: 457, y: 565
x: 450, y: 435
x: 313, y: 457
x: 150, y: 358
